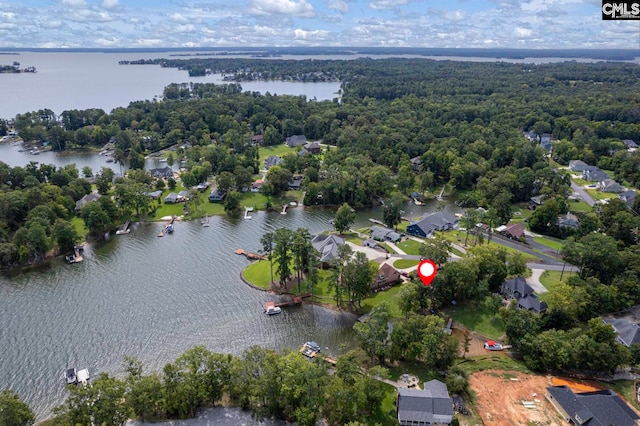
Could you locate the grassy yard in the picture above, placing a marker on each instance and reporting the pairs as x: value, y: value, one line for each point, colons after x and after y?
x: 78, y: 224
x: 404, y: 263
x: 258, y: 273
x: 552, y: 243
x: 458, y: 237
x: 550, y: 280
x: 599, y: 195
x: 478, y: 318
x: 387, y: 415
x: 410, y: 246
x: 389, y: 297
x: 579, y: 207
x: 491, y: 362
x: 278, y: 150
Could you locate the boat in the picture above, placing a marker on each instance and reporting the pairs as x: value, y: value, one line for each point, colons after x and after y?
x: 492, y: 345
x: 109, y: 159
x: 83, y: 376
x: 123, y: 231
x: 34, y: 151
x: 273, y: 310
x: 205, y: 222
x: 71, y: 376
x: 310, y: 349
x: 170, y: 229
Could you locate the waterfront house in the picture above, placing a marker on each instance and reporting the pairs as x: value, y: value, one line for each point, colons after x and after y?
x: 295, y: 184
x: 171, y: 198
x: 628, y: 197
x: 162, y: 172
x: 379, y: 233
x: 428, y: 407
x: 602, y: 407
x: 577, y: 165
x: 89, y: 198
x: 610, y: 185
x: 431, y: 222
x: 272, y: 160
x: 255, y: 186
x: 217, y: 195
x: 594, y: 174
x: 387, y: 276
x: 519, y: 290
x: 296, y: 140
x: 183, y: 196
x: 327, y: 245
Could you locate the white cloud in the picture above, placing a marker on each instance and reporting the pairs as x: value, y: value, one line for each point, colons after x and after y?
x: 188, y: 28
x: 339, y: 5
x: 110, y: 4
x: 282, y: 7
x: 387, y: 4
x: 73, y: 3
x: 522, y: 32
x: 179, y: 18
x: 310, y: 35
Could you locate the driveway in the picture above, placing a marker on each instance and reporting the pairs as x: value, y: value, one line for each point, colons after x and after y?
x: 583, y: 193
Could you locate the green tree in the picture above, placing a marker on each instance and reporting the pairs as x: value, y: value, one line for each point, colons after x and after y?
x: 14, y: 412
x: 344, y: 218
x: 282, y: 254
x: 65, y: 235
x: 392, y: 212
x: 372, y: 334
x: 267, y: 241
x: 232, y: 203
x: 436, y: 249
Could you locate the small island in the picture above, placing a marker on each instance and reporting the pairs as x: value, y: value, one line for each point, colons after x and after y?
x: 15, y: 69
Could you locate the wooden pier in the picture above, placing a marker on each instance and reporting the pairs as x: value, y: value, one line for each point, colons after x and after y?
x: 250, y: 255
x: 246, y: 212
x: 284, y: 209
x: 377, y: 222
x: 295, y: 300
x: 166, y: 226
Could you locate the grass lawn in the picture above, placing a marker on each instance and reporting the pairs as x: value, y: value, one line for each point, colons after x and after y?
x: 552, y: 243
x: 78, y: 223
x: 579, y: 207
x: 387, y: 414
x: 550, y: 280
x: 404, y: 263
x: 457, y: 237
x: 387, y: 248
x: 478, y: 318
x: 410, y: 246
x: 416, y: 368
x: 390, y: 297
x: 278, y: 150
x: 491, y: 362
x: 599, y: 195
x: 258, y: 273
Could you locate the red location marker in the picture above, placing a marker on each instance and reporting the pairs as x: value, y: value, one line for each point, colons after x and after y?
x: 427, y: 271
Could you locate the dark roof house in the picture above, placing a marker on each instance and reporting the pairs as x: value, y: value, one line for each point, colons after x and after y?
x: 416, y: 162
x: 370, y: 242
x: 598, y: 408
x: 628, y: 197
x: 431, y: 222
x: 431, y: 406
x: 89, y: 198
x: 568, y: 220
x: 154, y: 195
x: 387, y: 276
x: 171, y: 198
x: 296, y: 183
x: 296, y: 140
x: 327, y: 245
x: 630, y: 144
x: 610, y: 185
x: 217, y: 195
x: 518, y: 289
x: 594, y: 174
x: 257, y: 139
x: 272, y: 160
x: 379, y: 233
x: 577, y: 165
x: 162, y: 172
x: 313, y: 147
x: 628, y: 332
x: 513, y: 230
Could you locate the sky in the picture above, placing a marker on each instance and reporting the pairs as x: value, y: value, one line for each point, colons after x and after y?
x: 279, y: 23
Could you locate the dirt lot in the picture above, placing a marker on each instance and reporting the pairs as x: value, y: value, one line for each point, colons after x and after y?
x: 499, y: 396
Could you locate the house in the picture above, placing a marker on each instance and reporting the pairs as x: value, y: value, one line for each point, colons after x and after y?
x: 313, y: 147
x: 379, y: 233
x: 628, y: 332
x: 327, y: 245
x: 295, y: 184
x: 387, y: 276
x: 536, y: 201
x: 568, y: 220
x: 577, y: 165
x: 531, y: 135
x: 89, y: 198
x: 171, y: 198
x: 162, y: 173
x: 545, y: 141
x: 371, y: 243
x: 302, y: 152
x: 429, y: 407
x: 597, y: 408
x: 630, y: 144
x: 257, y: 139
x: 628, y: 197
x: 272, y: 160
x: 416, y: 162
x: 202, y: 186
x: 257, y: 185
x: 154, y: 195
x: 295, y: 140
x: 431, y: 222
x: 594, y: 174
x: 511, y: 230
x: 518, y: 289
x: 217, y: 195
x: 610, y: 185
x: 183, y: 196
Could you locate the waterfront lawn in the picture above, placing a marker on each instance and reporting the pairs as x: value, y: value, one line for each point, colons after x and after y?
x: 404, y: 263
x: 410, y: 246
x: 387, y: 414
x: 390, y: 297
x: 78, y: 224
x: 477, y: 317
x: 258, y: 273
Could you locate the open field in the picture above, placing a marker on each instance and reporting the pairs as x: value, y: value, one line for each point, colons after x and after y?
x: 499, y: 396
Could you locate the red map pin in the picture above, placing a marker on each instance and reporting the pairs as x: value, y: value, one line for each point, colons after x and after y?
x: 427, y: 271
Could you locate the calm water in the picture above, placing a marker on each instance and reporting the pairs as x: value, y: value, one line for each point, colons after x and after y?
x: 67, y: 81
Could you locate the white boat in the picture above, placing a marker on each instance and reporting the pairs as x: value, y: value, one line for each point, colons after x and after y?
x: 71, y: 376
x: 492, y: 345
x: 273, y: 310
x: 34, y: 151
x: 83, y: 376
x: 123, y: 231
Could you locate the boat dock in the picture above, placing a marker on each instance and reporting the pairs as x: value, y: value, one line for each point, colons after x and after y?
x: 377, y: 222
x: 124, y: 229
x: 167, y: 226
x: 75, y: 257
x: 284, y: 209
x: 246, y: 212
x: 295, y: 300
x: 250, y: 255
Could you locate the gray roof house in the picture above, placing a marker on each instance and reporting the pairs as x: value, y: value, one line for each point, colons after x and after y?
x: 89, y: 198
x: 518, y: 289
x: 577, y: 165
x: 379, y: 233
x: 598, y: 408
x: 217, y: 195
x: 628, y: 331
x: 416, y: 162
x: 272, y: 160
x: 171, y: 198
x: 296, y: 140
x: 594, y: 174
x: 630, y: 144
x: 183, y: 195
x: 610, y: 185
x: 431, y: 222
x: 628, y: 197
x: 545, y: 141
x: 162, y: 172
x: 327, y: 245
x: 370, y: 242
x: 154, y: 195
x: 568, y: 220
x: 431, y: 406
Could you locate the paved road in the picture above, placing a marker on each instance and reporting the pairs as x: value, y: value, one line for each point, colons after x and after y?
x: 544, y: 259
x: 583, y: 193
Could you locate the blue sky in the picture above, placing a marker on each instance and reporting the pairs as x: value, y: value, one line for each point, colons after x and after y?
x: 229, y: 23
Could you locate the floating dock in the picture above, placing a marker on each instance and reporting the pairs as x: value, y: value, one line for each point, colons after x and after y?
x: 284, y: 209
x: 166, y: 226
x: 246, y: 212
x: 250, y: 255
